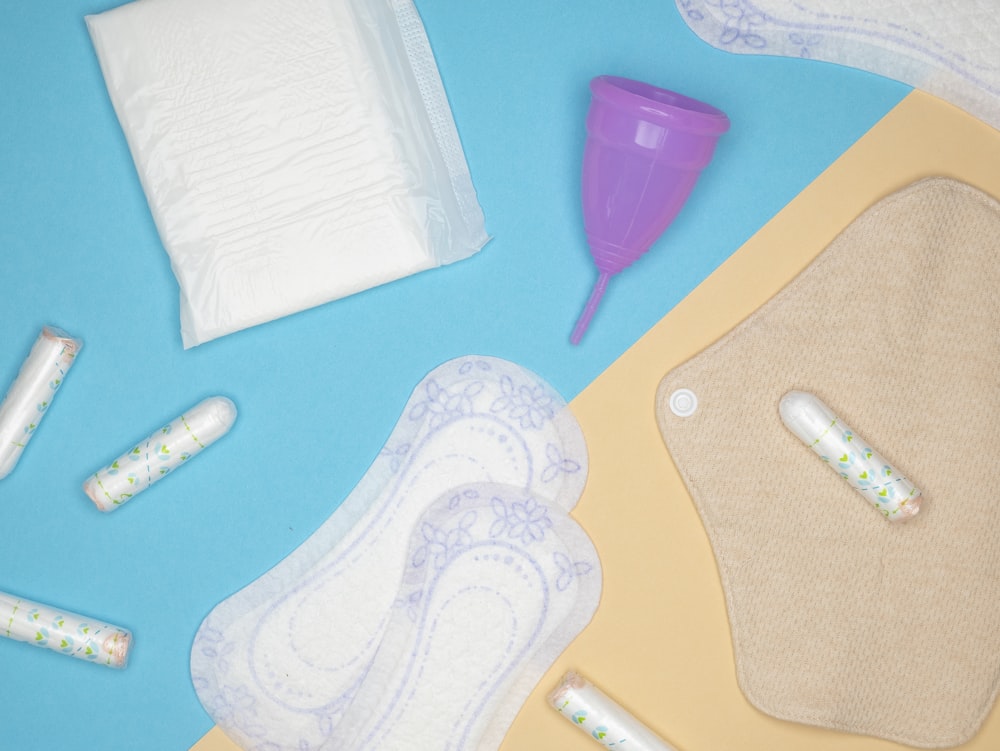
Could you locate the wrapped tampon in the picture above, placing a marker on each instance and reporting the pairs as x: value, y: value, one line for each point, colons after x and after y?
x: 600, y: 717
x: 850, y: 455
x: 162, y: 452
x: 64, y: 632
x: 32, y: 392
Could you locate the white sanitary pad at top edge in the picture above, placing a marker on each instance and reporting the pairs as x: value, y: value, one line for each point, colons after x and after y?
x: 949, y: 48
x: 292, y: 151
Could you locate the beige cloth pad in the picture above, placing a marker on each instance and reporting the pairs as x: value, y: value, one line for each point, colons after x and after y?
x: 839, y: 617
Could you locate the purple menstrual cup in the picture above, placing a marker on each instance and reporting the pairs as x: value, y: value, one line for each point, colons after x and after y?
x: 645, y: 149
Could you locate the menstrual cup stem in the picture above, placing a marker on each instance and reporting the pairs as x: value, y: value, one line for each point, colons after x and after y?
x: 588, y: 310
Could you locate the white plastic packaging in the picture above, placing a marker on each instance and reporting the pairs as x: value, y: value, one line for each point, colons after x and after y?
x: 30, y: 396
x: 159, y: 454
x: 292, y: 151
x: 850, y: 455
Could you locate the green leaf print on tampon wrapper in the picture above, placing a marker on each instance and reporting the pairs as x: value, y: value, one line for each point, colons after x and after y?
x: 64, y: 632
x: 161, y: 453
x: 850, y: 455
x: 601, y: 717
x: 30, y: 396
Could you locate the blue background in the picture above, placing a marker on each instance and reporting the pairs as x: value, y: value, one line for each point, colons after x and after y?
x: 320, y: 391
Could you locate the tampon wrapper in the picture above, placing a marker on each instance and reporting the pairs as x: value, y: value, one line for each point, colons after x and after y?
x: 160, y: 453
x: 850, y: 455
x: 30, y: 396
x: 64, y: 632
x: 601, y: 717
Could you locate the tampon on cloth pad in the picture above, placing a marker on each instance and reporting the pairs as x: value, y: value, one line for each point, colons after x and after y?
x: 497, y: 582
x: 292, y: 152
x: 279, y: 661
x: 28, y: 400
x: 839, y: 618
x: 949, y: 48
x: 848, y: 454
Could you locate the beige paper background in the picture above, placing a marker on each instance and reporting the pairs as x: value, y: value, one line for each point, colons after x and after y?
x: 660, y: 641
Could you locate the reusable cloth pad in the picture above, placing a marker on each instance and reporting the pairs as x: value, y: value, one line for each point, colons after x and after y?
x: 497, y: 583
x: 278, y: 662
x: 949, y: 48
x: 839, y: 617
x: 292, y: 151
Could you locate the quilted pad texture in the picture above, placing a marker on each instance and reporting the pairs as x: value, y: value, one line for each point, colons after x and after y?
x: 840, y: 618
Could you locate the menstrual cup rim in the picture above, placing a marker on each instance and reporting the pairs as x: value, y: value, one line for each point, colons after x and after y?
x: 685, y: 111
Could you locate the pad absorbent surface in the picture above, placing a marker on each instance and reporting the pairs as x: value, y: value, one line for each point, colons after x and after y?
x: 451, y: 571
x: 841, y: 618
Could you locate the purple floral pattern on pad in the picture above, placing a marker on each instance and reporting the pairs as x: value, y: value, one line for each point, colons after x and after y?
x: 949, y: 49
x: 299, y: 641
x: 486, y: 624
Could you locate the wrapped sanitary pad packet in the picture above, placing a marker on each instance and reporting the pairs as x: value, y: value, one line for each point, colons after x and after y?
x: 292, y: 151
